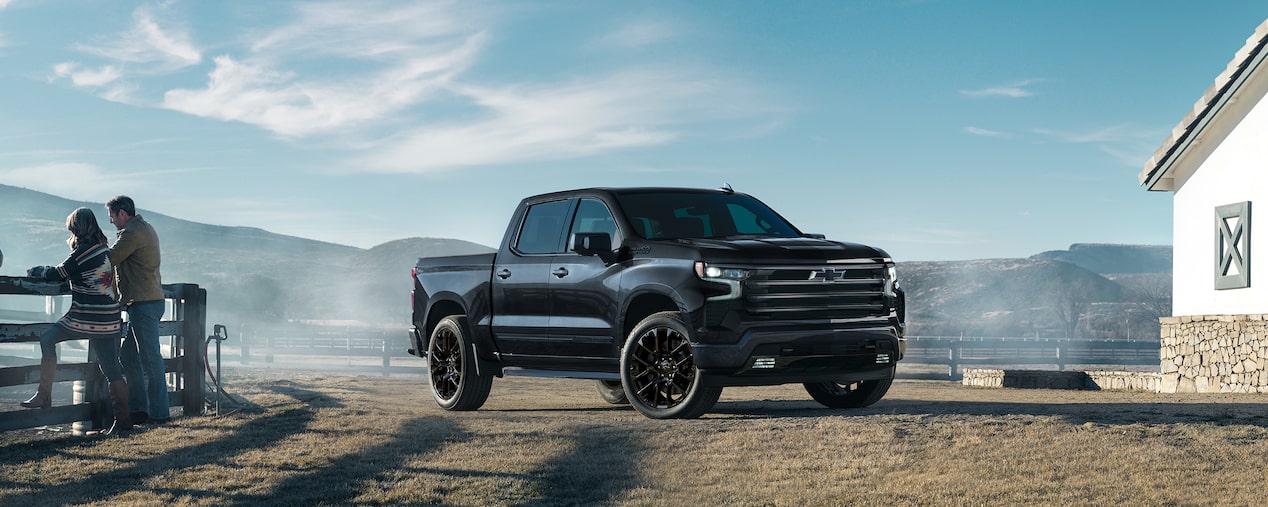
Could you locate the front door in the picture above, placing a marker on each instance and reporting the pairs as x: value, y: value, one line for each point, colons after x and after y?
x: 583, y: 292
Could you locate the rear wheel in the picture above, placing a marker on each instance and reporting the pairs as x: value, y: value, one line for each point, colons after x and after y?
x: 455, y: 383
x: 850, y: 395
x: 612, y: 392
x: 659, y: 372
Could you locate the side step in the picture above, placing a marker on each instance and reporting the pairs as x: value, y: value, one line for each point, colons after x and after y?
x: 513, y: 371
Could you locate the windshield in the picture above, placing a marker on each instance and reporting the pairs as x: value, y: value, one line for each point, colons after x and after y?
x: 685, y: 215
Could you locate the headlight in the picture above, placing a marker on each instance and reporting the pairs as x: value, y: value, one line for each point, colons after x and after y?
x: 718, y: 274
x: 891, y: 280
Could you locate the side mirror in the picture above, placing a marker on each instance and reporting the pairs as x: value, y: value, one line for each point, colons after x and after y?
x: 594, y: 244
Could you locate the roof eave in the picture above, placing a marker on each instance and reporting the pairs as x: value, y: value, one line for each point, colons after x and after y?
x: 1157, y: 173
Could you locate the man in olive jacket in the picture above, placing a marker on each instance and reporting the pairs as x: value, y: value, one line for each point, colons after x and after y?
x: 135, y: 256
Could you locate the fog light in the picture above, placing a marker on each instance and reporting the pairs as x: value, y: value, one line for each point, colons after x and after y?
x: 882, y: 358
x: 765, y: 363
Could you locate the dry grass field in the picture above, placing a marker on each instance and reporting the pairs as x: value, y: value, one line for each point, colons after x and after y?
x: 308, y: 438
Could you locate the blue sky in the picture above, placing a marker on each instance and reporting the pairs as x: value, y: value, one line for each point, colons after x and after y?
x: 938, y: 130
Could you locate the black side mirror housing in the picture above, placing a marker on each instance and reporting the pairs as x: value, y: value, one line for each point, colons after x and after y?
x: 594, y: 244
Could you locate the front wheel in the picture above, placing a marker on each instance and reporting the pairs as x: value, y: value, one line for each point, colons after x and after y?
x: 849, y: 395
x: 659, y: 372
x: 455, y: 382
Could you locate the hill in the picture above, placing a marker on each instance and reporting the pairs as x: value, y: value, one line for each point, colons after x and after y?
x: 249, y: 273
x: 1114, y: 259
x: 1102, y: 290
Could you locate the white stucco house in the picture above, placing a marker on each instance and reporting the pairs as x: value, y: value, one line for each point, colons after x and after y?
x: 1215, y: 163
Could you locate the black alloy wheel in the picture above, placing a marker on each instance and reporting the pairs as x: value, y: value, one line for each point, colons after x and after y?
x: 455, y: 382
x: 659, y: 372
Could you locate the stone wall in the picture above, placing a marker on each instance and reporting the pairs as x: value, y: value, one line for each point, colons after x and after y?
x: 1214, y: 354
x: 1080, y: 380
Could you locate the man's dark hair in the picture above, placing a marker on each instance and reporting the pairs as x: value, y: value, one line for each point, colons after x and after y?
x: 121, y: 203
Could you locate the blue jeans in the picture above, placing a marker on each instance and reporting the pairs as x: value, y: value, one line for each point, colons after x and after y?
x: 106, y: 349
x: 143, y: 362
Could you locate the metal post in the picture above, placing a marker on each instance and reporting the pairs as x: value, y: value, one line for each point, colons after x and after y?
x: 79, y: 395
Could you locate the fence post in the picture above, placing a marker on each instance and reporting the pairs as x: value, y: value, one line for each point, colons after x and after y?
x: 244, y: 348
x: 1060, y: 356
x: 192, y: 306
x: 387, y: 359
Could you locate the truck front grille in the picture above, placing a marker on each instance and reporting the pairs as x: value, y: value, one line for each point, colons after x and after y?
x: 817, y: 292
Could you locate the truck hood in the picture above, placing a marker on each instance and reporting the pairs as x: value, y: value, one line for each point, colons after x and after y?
x: 790, y: 250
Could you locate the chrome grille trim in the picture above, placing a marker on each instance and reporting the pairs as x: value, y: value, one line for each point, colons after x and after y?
x: 836, y: 291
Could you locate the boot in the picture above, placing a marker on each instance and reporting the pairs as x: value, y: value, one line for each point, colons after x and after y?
x: 119, y: 405
x: 44, y: 393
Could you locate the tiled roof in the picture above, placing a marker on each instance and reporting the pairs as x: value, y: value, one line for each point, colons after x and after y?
x: 1246, y: 59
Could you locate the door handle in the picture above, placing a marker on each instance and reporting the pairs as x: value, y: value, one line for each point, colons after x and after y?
x: 560, y: 273
x: 504, y: 274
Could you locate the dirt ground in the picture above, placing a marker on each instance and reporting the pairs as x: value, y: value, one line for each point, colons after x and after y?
x: 307, y: 437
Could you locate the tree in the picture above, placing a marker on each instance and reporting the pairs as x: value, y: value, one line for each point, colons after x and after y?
x: 1151, y: 294
x: 1071, y: 302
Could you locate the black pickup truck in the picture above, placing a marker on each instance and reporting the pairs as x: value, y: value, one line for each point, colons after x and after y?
x: 664, y: 296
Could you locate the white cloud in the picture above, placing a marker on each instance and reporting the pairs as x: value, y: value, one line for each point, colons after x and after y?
x: 85, y: 77
x: 984, y: 132
x: 4, y: 3
x: 166, y: 48
x: 145, y: 49
x: 411, y: 52
x: 639, y: 34
x: 369, y: 30
x: 1015, y: 90
x: 1129, y: 144
x: 1110, y: 134
x: 561, y: 121
x: 290, y: 104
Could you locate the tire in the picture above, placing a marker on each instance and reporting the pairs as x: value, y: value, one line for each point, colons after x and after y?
x: 612, y: 392
x: 452, y: 374
x: 659, y: 373
x: 852, y: 395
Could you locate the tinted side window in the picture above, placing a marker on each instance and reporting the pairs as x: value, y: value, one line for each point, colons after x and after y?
x: 593, y: 216
x: 542, y: 232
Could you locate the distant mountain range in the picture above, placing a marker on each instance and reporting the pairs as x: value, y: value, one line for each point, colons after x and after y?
x: 253, y: 275
x: 1103, y: 290
x: 250, y: 274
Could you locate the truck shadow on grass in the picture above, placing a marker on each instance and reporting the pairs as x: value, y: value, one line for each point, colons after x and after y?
x: 1222, y: 414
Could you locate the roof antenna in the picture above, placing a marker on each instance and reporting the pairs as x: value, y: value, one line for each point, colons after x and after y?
x: 726, y: 188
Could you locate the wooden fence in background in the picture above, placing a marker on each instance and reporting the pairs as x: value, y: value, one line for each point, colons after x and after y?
x: 185, y: 327
x: 959, y: 352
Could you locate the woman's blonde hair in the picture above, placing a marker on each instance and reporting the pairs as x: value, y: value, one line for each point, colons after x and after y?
x: 84, y: 229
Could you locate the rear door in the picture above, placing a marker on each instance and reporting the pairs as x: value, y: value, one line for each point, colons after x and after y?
x: 521, y: 280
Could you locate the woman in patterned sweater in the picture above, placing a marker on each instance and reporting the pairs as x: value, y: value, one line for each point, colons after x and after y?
x: 94, y: 314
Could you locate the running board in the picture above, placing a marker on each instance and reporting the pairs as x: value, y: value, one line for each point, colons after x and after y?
x: 514, y: 371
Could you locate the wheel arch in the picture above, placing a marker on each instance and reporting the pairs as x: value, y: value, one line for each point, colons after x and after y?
x: 645, y: 304
x: 443, y: 307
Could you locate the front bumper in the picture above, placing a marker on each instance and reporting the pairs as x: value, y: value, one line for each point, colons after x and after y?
x: 769, y: 356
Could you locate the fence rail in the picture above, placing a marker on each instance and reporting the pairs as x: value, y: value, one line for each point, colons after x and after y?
x: 186, y: 328
x: 958, y: 352
x: 320, y: 345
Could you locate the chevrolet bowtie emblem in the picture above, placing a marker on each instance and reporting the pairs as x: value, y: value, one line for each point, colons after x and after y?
x: 826, y: 275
